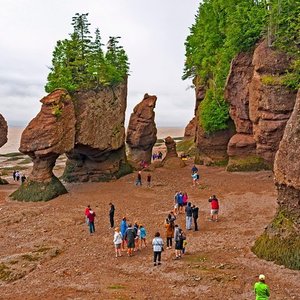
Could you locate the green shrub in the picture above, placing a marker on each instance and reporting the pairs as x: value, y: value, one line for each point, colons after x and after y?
x: 247, y: 164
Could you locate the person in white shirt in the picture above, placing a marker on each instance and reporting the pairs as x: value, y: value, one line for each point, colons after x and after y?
x: 158, y: 247
x: 117, y: 241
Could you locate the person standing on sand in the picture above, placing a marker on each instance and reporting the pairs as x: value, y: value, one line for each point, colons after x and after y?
x: 111, y: 215
x: 130, y: 238
x: 123, y: 228
x: 91, y: 216
x: 176, y: 206
x: 158, y: 245
x: 194, y: 169
x: 169, y: 232
x: 139, y: 179
x: 177, y: 232
x: 149, y: 180
x: 185, y: 198
x: 214, y: 203
x: 117, y: 241
x: 261, y: 290
x: 143, y: 234
x: 195, y: 210
x: 180, y: 202
x: 14, y: 175
x: 195, y: 177
x: 188, y: 216
x: 86, y: 212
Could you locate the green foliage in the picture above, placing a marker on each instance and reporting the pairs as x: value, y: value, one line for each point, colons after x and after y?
x: 80, y: 63
x: 284, y: 32
x: 222, y: 29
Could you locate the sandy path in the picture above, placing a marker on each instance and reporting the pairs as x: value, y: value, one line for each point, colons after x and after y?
x: 75, y: 265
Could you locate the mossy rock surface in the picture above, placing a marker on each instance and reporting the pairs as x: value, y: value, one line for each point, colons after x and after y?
x: 247, y: 164
x: 39, y: 191
x: 3, y: 181
x: 280, y: 242
x: 185, y: 145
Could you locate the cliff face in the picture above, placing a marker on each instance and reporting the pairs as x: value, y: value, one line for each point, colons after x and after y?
x: 50, y: 134
x: 281, y: 240
x: 3, y: 131
x: 3, y: 139
x: 141, y: 132
x: 99, y: 151
x: 259, y: 105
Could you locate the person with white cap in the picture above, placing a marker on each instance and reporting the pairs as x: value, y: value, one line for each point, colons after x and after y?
x: 261, y: 289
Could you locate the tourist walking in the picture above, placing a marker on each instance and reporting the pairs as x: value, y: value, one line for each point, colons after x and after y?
x: 139, y: 179
x: 158, y: 245
x: 123, y: 228
x: 188, y: 216
x: 261, y: 289
x: 185, y: 199
x: 111, y: 215
x: 214, y: 203
x: 169, y: 232
x: 194, y: 169
x: 130, y: 238
x: 195, y: 210
x: 117, y: 241
x: 143, y: 235
x: 91, y: 216
x: 149, y: 180
x: 17, y: 175
x: 195, y: 178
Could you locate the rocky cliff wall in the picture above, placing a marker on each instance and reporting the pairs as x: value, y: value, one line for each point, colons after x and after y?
x: 3, y: 139
x: 281, y: 240
x: 260, y: 106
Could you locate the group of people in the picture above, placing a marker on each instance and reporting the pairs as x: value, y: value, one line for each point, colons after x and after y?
x: 157, y: 155
x: 17, y: 176
x: 132, y: 237
x: 138, y: 180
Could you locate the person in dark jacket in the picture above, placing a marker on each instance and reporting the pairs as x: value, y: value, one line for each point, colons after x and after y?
x: 188, y: 216
x: 130, y: 238
x: 195, y: 216
x: 111, y: 215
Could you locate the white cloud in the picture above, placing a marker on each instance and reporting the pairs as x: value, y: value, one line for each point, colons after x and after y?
x: 152, y: 33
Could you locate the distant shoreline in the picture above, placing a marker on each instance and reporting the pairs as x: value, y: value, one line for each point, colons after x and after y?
x: 15, y: 132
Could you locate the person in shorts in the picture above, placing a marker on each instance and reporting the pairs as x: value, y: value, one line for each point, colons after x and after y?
x: 117, y: 241
x: 214, y: 203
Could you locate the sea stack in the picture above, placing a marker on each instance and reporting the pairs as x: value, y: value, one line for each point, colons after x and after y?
x: 50, y: 134
x: 141, y: 132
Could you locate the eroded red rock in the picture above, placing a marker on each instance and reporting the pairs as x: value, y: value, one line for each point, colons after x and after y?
x: 3, y: 131
x: 141, y: 132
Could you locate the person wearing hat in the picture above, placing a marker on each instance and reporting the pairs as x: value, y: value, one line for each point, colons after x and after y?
x: 261, y: 290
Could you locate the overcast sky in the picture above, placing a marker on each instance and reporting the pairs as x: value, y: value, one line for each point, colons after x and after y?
x: 152, y: 33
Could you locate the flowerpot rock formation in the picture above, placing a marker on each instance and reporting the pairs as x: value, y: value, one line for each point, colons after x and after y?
x: 141, y: 132
x: 50, y: 134
x: 99, y: 151
x: 171, y: 160
x: 281, y: 239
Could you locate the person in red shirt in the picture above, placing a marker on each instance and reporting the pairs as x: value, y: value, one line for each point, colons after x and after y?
x: 91, y: 216
x: 86, y: 212
x: 214, y: 202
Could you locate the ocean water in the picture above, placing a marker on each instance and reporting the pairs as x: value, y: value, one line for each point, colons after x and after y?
x: 14, y: 137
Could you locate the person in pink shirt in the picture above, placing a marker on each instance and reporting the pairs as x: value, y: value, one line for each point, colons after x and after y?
x: 185, y: 199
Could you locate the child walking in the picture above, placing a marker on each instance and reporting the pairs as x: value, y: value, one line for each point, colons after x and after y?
x: 117, y: 241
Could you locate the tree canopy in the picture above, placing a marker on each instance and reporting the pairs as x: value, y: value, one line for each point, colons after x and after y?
x: 80, y: 62
x: 221, y: 30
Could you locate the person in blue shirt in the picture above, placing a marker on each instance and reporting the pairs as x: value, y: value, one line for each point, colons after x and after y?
x: 123, y: 228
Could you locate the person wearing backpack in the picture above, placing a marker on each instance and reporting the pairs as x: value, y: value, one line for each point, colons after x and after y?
x: 158, y: 247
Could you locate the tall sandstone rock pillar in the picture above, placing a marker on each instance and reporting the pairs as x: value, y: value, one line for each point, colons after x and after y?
x: 99, y: 151
x: 3, y: 139
x: 141, y: 132
x: 50, y: 134
x: 281, y: 240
